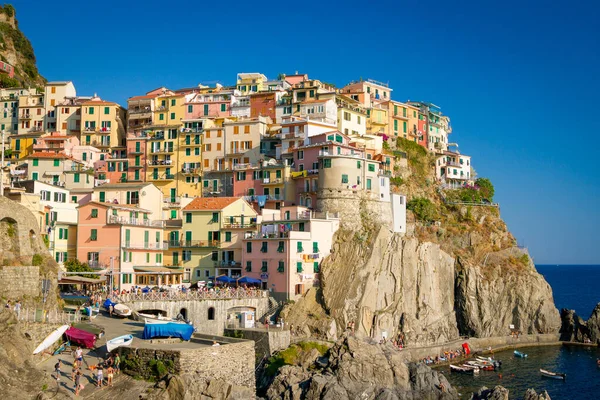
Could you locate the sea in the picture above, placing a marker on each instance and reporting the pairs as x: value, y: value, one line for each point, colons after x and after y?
x: 574, y: 287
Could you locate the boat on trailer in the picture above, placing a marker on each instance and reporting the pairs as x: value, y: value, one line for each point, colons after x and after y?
x: 553, y: 375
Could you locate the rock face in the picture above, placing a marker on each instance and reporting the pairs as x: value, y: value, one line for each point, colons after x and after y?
x: 501, y: 393
x: 575, y: 329
x: 190, y: 387
x: 490, y: 298
x: 357, y: 370
x: 389, y: 284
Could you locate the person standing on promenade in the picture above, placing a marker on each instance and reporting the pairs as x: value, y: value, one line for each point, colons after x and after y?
x: 18, y: 308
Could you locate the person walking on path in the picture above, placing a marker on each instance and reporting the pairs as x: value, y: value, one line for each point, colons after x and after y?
x: 100, y: 375
x: 74, y: 371
x: 117, y: 363
x: 57, y: 371
x: 110, y: 310
x: 18, y: 308
x: 79, y: 356
x: 78, y: 385
x: 109, y: 376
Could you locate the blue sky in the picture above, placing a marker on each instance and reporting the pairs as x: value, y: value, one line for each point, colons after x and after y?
x: 519, y: 79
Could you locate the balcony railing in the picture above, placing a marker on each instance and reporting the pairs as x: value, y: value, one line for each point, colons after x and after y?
x: 116, y: 220
x: 172, y: 200
x: 160, y: 162
x: 269, y: 181
x: 230, y: 293
x: 306, y: 215
x: 239, y: 225
x: 194, y: 243
x: 227, y: 264
x: 146, y: 246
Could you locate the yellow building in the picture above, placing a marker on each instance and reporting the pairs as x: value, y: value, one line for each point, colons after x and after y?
x: 250, y: 82
x: 22, y: 145
x: 398, y: 118
x: 377, y: 120
x: 102, y: 124
x: 212, y: 233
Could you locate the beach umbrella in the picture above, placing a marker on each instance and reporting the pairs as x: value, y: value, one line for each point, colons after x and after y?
x: 247, y: 279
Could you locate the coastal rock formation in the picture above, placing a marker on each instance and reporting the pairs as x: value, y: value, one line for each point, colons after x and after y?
x: 388, y: 284
x: 575, y: 329
x: 501, y: 393
x: 356, y: 370
x: 492, y: 297
x: 190, y: 387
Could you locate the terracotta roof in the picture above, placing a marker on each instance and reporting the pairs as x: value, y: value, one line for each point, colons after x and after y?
x: 97, y: 102
x: 42, y: 154
x: 121, y: 206
x: 148, y: 96
x: 210, y: 203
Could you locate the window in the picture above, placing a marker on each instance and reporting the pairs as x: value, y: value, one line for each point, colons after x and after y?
x: 281, y: 247
x: 248, y: 247
x: 404, y: 126
x: 211, y: 314
x: 300, y: 155
x: 172, y: 116
x: 106, y: 110
x: 186, y: 255
x: 358, y: 119
x: 56, y: 162
x: 368, y: 184
x: 265, y: 247
x: 34, y: 176
x: 248, y: 266
x: 158, y: 258
x: 206, y: 109
x: 215, y: 217
x: 45, y: 195
x: 188, y: 218
x: 264, y: 267
x: 190, y: 109
x: 35, y: 162
x: 315, y: 247
x: 173, y: 102
x: 358, y: 164
x: 299, y: 268
x: 327, y: 163
x: 94, y: 235
x: 76, y: 177
x: 91, y: 110
x: 228, y: 236
x: 316, y: 267
x: 344, y: 178
x: 301, y: 229
x: 246, y: 128
x: 346, y: 116
x: 223, y: 107
x: 299, y: 248
x: 94, y: 213
x: 281, y: 266
x: 371, y: 167
x: 395, y: 124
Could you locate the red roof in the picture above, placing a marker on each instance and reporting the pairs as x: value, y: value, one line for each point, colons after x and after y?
x: 210, y: 203
x: 43, y: 154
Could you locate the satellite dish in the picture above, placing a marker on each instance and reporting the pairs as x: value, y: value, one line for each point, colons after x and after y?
x: 143, y: 193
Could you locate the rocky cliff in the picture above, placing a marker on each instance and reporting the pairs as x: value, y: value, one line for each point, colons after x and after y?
x: 16, y: 49
x: 357, y: 370
x: 457, y: 271
x: 575, y: 329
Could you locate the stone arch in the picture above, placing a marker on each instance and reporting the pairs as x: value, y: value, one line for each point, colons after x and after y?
x: 184, y: 313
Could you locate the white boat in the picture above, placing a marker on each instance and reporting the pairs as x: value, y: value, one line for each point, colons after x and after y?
x: 485, y: 359
x: 472, y: 367
x: 553, y: 375
x: 155, y: 319
x: 51, y: 339
x: 121, y: 310
x: 120, y: 341
x: 456, y: 368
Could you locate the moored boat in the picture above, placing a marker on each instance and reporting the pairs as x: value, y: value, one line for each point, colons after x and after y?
x: 485, y: 367
x: 120, y: 341
x: 519, y: 354
x: 553, y: 375
x: 121, y: 310
x: 463, y: 370
x: 51, y: 339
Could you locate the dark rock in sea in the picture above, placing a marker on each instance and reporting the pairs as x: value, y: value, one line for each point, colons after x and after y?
x: 501, y: 393
x: 531, y: 394
x: 575, y: 329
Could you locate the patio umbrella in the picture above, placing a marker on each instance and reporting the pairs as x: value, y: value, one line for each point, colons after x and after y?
x: 247, y: 279
x: 146, y: 289
x: 224, y: 279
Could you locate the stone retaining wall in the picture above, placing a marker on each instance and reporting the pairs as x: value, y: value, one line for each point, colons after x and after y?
x: 17, y: 282
x: 354, y: 206
x: 265, y: 342
x: 231, y: 361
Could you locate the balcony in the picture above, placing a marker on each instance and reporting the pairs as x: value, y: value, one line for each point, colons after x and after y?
x: 163, y: 177
x: 157, y: 136
x: 171, y: 201
x: 116, y: 220
x: 97, y: 265
x: 269, y: 181
x: 36, y: 129
x: 146, y: 246
x: 159, y: 163
x: 168, y: 150
x: 25, y: 116
x: 228, y: 264
x: 100, y: 182
x: 173, y: 223
x: 235, y: 152
x: 101, y: 143
x: 135, y: 166
x: 190, y: 171
x: 452, y: 164
x: 162, y: 108
x: 194, y: 243
x: 239, y: 225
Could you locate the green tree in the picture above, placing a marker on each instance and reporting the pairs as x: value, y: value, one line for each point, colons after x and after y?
x: 74, y: 265
x: 423, y: 209
x: 485, y: 188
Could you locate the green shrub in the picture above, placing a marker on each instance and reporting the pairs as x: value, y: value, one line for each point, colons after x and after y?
x: 307, y: 346
x: 486, y: 188
x: 10, y: 230
x: 37, y: 260
x: 158, y: 368
x: 396, y: 181
x: 9, y: 10
x: 291, y: 355
x: 423, y: 209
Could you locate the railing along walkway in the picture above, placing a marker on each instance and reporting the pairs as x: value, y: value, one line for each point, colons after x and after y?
x: 48, y: 317
x: 192, y: 295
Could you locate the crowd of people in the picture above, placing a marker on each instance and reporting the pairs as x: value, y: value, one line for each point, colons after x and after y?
x: 448, y: 355
x: 112, y: 366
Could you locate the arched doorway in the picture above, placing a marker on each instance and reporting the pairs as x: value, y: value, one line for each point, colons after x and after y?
x: 184, y: 313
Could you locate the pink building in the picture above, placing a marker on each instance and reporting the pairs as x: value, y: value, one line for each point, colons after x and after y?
x: 55, y: 142
x: 124, y: 239
x: 208, y: 105
x: 8, y: 69
x: 287, y: 251
x: 264, y: 186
